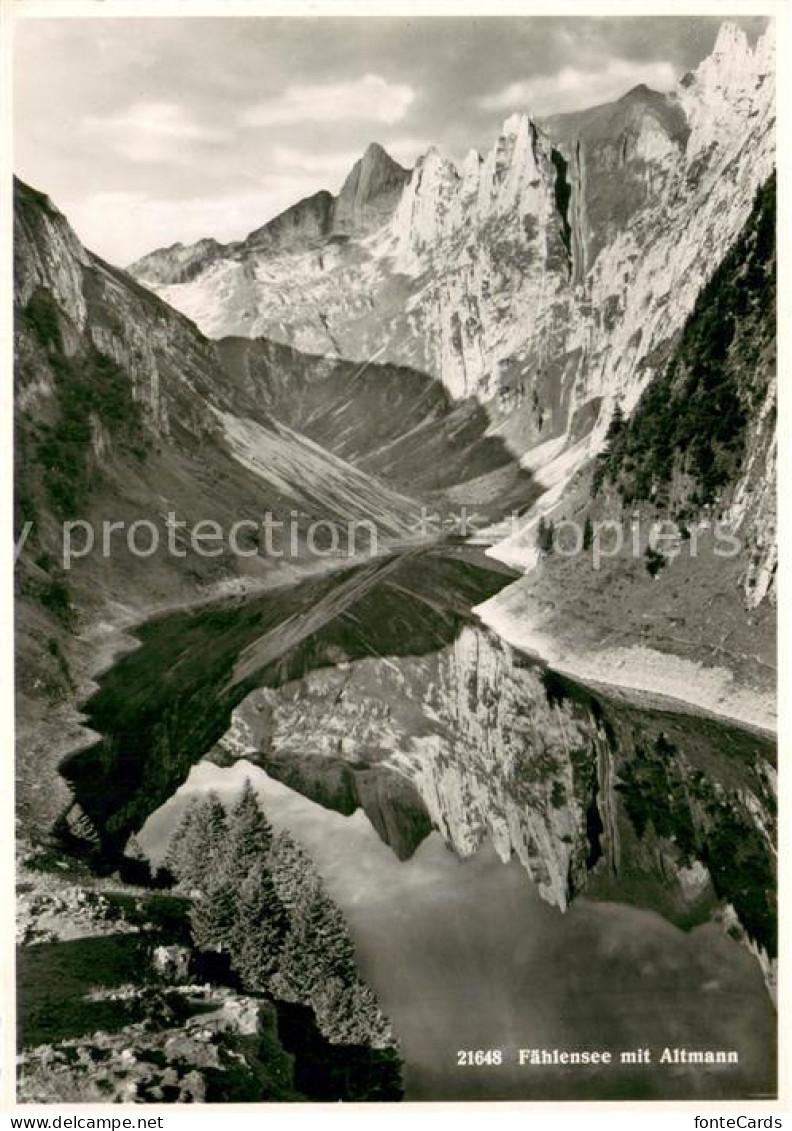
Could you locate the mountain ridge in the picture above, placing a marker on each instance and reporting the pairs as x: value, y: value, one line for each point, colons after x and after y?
x: 366, y: 199
x: 547, y: 278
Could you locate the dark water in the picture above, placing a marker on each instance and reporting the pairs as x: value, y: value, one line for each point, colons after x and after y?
x: 463, y: 953
x: 164, y: 705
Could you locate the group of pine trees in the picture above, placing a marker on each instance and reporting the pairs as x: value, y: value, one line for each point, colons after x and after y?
x: 694, y: 417
x: 259, y: 899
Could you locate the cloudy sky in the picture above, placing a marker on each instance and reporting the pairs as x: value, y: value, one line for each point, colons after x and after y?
x: 146, y: 132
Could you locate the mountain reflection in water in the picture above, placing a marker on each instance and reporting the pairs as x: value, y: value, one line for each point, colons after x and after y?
x: 465, y: 954
x: 523, y: 862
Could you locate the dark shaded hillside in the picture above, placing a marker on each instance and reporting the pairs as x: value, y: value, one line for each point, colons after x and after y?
x: 121, y: 403
x: 122, y: 415
x: 391, y: 421
x: 685, y: 443
x: 105, y: 368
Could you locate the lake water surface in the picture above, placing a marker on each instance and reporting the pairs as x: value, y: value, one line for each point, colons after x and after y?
x: 465, y: 955
x: 348, y: 673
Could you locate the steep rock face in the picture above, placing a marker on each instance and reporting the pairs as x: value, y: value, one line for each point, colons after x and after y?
x: 47, y: 253
x: 620, y: 156
x: 693, y: 466
x: 547, y: 278
x: 96, y: 305
x: 486, y: 249
x: 702, y: 437
x: 370, y: 193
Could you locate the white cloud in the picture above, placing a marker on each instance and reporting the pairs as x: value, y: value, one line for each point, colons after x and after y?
x: 123, y: 226
x: 331, y: 164
x: 407, y: 150
x: 151, y: 131
x: 369, y: 98
x: 335, y: 166
x: 574, y: 89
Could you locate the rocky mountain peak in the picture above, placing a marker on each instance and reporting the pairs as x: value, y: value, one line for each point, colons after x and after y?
x: 370, y: 192
x: 377, y: 165
x: 556, y: 241
x: 179, y: 262
x: 731, y: 92
x: 639, y: 93
x: 46, y: 249
x: 734, y: 65
x: 517, y: 124
x: 731, y: 42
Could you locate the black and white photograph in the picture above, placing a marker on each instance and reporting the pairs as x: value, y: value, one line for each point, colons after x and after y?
x: 395, y: 555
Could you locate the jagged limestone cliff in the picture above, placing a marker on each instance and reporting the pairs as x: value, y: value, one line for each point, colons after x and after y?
x: 549, y: 277
x: 675, y: 591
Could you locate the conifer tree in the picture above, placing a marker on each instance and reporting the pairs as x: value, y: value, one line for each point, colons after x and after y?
x: 261, y: 927
x: 177, y: 855
x: 545, y: 535
x: 262, y: 903
x: 293, y: 873
x: 213, y: 917
x: 616, y: 424
x: 293, y: 979
x: 317, y: 949
x: 588, y: 533
x: 352, y: 1012
x: 333, y: 945
x: 198, y: 850
x: 250, y: 835
x: 213, y: 826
